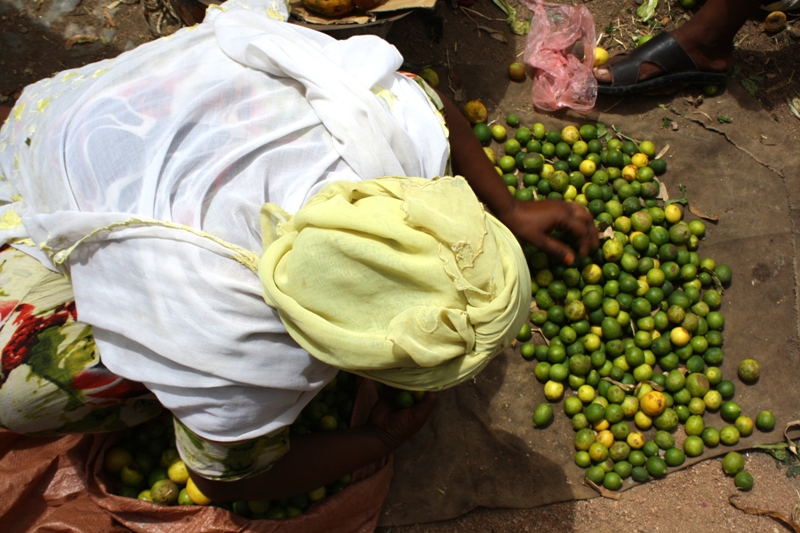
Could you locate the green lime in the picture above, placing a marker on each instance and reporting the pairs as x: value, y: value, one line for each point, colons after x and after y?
x: 650, y: 448
x: 595, y: 474
x: 656, y: 466
x: 724, y: 273
x: 710, y: 437
x: 765, y: 421
x: 694, y: 425
x: 664, y: 440
x: 743, y: 480
x: 582, y: 459
x: 483, y: 133
x: 733, y: 463
x: 726, y: 388
x: 745, y: 425
x: 749, y: 371
x: 512, y: 120
x: 730, y: 411
x: 523, y: 135
x: 595, y: 412
x: 640, y: 474
x: 543, y: 415
x: 729, y: 436
x: 693, y: 446
x: 528, y: 350
x: 403, y: 400
x: 612, y: 481
x: 674, y: 457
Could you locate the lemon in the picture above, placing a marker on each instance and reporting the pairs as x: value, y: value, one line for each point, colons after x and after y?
x: 570, y: 135
x: 600, y: 56
x: 635, y: 440
x: 587, y: 167
x: 178, y: 472
x: 586, y: 393
x: 639, y: 160
x: 553, y: 390
x: 673, y: 213
x: 475, y: 111
x: 430, y: 75
x: 679, y: 337
x: 653, y: 403
x: 498, y: 133
x: 490, y: 154
x: 194, y: 493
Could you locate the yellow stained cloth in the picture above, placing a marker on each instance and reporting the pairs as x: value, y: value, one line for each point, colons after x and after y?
x: 406, y: 281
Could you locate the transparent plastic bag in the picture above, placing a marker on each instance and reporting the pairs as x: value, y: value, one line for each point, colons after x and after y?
x: 560, y: 78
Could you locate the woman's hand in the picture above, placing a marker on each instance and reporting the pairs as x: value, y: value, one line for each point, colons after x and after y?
x: 535, y: 221
x: 530, y: 221
x: 395, y: 426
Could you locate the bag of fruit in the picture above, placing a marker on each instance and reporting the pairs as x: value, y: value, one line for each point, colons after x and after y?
x: 353, y: 505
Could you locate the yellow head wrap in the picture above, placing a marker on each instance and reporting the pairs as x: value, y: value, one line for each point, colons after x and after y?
x: 406, y: 281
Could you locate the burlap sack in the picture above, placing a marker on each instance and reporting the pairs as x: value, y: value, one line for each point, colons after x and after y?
x: 57, y: 484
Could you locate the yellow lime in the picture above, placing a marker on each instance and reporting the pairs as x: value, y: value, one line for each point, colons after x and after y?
x: 116, y: 458
x: 600, y: 56
x: 194, y: 493
x: 475, y: 111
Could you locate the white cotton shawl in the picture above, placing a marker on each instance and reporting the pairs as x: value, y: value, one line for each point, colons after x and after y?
x: 177, y: 145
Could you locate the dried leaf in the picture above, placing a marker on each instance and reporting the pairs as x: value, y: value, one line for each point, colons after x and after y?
x: 607, y: 233
x: 663, y: 195
x: 540, y: 332
x: 732, y: 499
x: 107, y: 15
x: 696, y: 212
x: 663, y: 152
x: 493, y: 34
x: 790, y: 425
x: 623, y: 386
x: 794, y: 106
x: 81, y: 38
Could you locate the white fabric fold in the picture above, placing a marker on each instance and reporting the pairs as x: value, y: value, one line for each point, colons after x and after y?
x: 177, y: 133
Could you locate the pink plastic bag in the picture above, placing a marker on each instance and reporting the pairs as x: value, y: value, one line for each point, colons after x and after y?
x: 560, y: 79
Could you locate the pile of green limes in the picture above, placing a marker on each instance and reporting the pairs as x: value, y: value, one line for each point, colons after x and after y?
x: 148, y: 466
x: 634, y: 333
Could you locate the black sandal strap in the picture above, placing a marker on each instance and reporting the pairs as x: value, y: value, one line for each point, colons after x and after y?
x: 662, y: 50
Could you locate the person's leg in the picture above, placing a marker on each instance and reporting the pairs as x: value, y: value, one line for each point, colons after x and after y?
x: 707, y: 37
x: 4, y: 112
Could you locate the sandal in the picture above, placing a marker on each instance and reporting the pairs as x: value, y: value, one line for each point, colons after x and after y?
x: 662, y: 50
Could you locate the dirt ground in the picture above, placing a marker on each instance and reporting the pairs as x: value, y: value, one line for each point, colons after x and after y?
x: 35, y: 37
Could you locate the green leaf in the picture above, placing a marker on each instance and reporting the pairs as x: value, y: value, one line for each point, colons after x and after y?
x: 601, y: 130
x: 647, y: 10
x: 724, y: 120
x: 750, y: 85
x: 684, y: 200
x: 737, y: 68
x: 517, y: 26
